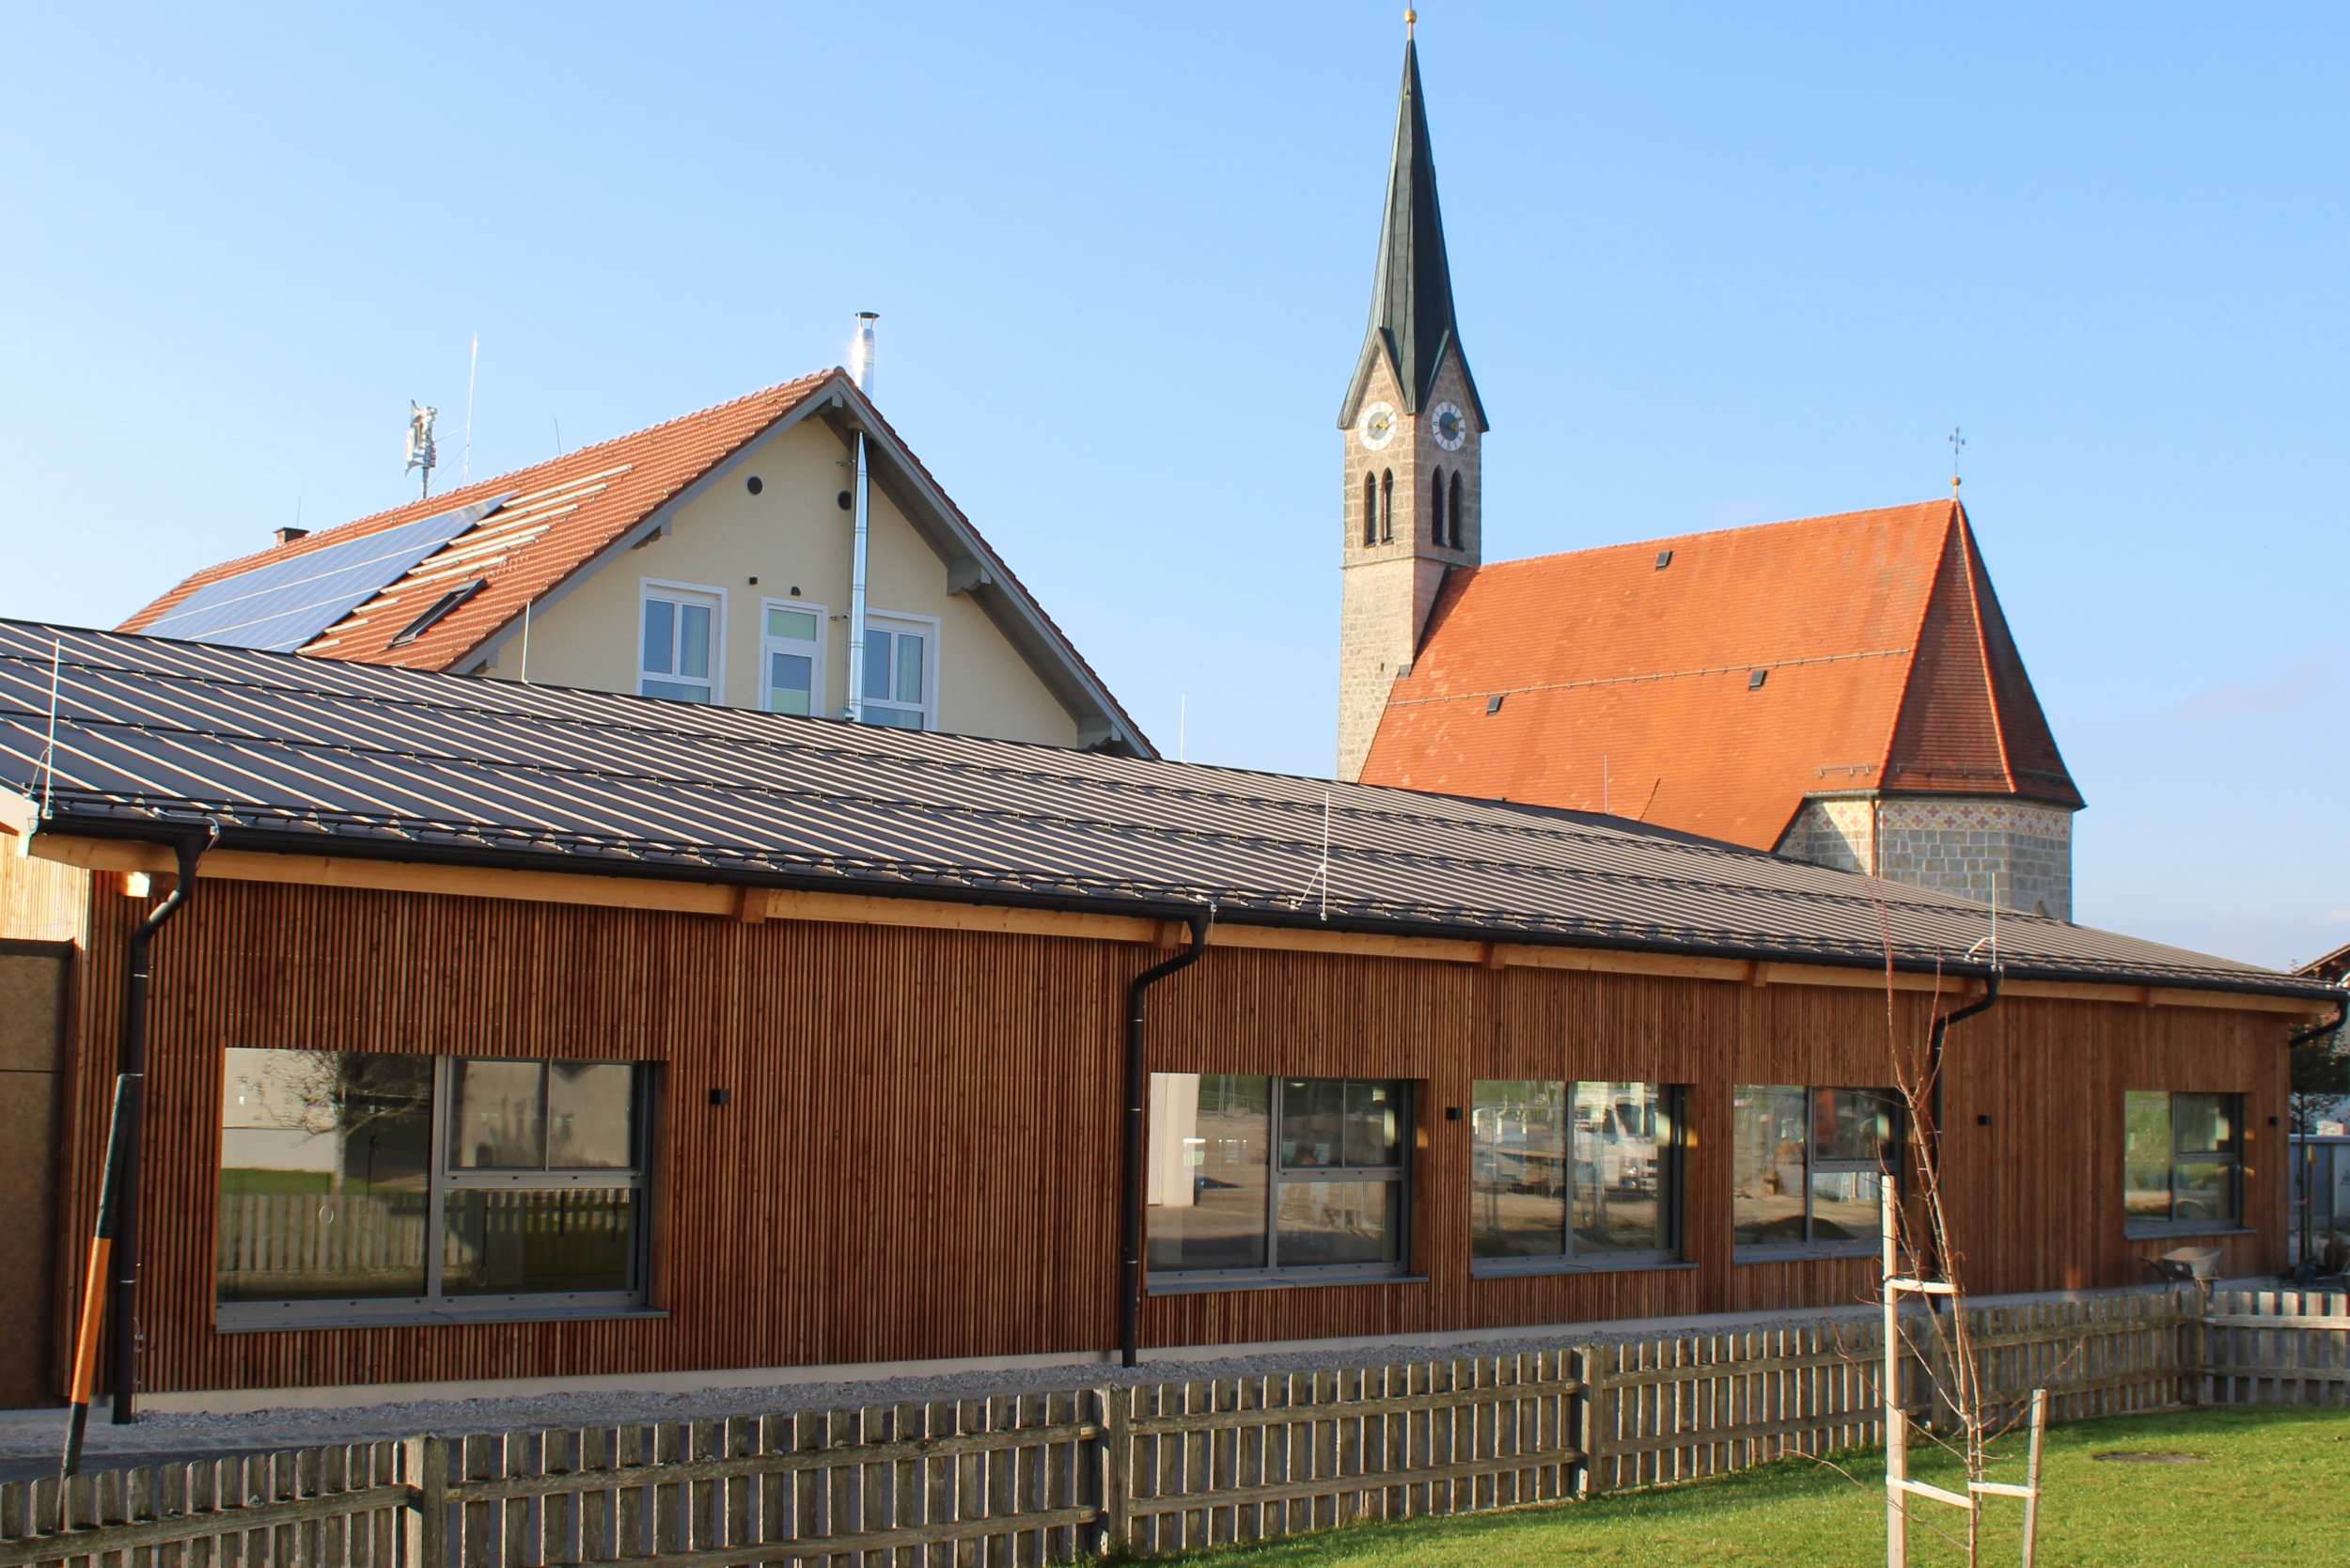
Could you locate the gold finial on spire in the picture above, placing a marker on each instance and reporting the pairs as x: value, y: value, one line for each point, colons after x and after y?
x: 1957, y: 442
x: 1410, y: 18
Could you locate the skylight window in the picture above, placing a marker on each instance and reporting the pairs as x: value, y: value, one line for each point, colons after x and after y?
x: 435, y: 611
x: 1664, y: 559
x: 1755, y: 679
x: 1493, y: 703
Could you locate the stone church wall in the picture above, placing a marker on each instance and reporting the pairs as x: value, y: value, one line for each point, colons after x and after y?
x: 1952, y: 844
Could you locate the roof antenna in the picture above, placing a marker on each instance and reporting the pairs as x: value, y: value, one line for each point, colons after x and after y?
x: 464, y: 458
x: 49, y: 752
x: 421, y: 453
x: 1957, y: 442
x: 1321, y: 878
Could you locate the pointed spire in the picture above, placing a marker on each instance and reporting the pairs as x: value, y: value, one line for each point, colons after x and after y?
x: 1411, y: 291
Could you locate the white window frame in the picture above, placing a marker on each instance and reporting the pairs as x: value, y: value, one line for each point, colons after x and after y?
x: 927, y: 627
x: 768, y: 645
x: 650, y: 588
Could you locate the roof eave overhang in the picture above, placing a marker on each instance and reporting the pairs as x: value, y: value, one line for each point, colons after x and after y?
x: 163, y: 829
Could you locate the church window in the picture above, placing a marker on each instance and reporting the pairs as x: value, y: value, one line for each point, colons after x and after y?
x: 1436, y: 509
x: 1386, y: 506
x: 1371, y: 508
x: 1452, y: 509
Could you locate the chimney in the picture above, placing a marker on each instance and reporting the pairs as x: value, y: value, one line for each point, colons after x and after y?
x: 287, y: 536
x: 861, y: 351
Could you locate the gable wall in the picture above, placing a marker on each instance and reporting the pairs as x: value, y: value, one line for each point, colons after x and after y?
x: 793, y: 534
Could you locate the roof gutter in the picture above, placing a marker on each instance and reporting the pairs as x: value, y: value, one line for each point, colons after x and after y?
x: 1131, y: 1177
x: 1173, y: 905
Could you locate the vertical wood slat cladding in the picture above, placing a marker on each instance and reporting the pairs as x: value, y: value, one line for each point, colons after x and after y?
x: 920, y: 1155
x: 41, y: 901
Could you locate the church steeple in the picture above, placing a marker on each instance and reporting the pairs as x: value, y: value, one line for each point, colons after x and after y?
x: 1411, y: 292
x: 1413, y: 447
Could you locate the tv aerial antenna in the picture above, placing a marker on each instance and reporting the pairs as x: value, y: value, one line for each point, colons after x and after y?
x: 421, y: 453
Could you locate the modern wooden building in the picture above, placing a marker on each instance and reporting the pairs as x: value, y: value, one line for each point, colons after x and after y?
x: 514, y: 1031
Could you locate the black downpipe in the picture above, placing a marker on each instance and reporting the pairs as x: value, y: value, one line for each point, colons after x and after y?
x: 1137, y: 1084
x: 123, y: 1157
x: 2309, y: 1151
x: 1942, y: 1022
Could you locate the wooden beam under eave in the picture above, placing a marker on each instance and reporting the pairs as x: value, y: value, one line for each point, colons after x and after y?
x: 1605, y: 961
x: 753, y: 909
x: 727, y: 900
x: 1860, y: 979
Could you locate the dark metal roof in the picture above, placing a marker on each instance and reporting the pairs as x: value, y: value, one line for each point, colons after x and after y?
x: 289, y: 753
x: 1411, y: 291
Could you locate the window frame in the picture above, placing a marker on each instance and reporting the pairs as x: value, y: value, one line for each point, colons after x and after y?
x: 1272, y: 1273
x: 2231, y: 1158
x: 1671, y: 1174
x: 928, y: 628
x: 1891, y: 1171
x: 444, y: 1177
x: 769, y: 645
x: 677, y: 593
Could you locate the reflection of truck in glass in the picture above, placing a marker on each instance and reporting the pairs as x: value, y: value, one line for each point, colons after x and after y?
x: 1626, y: 1145
x: 1524, y: 1147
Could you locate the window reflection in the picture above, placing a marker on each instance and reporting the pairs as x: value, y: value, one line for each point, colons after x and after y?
x: 323, y: 1175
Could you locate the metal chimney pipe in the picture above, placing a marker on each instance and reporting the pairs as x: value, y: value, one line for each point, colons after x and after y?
x: 861, y: 371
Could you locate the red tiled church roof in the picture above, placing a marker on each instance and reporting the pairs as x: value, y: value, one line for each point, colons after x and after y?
x: 1628, y: 687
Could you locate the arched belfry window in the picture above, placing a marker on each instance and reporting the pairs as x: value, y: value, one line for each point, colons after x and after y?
x: 1453, y: 511
x: 1386, y: 506
x: 1371, y: 508
x: 1436, y: 509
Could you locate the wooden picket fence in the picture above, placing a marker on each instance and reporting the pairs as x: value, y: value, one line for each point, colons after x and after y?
x: 1154, y: 1468
x: 2277, y: 1347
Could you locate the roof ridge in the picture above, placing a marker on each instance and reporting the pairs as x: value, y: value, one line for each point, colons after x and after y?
x: 1973, y: 563
x: 1707, y: 533
x: 1909, y: 674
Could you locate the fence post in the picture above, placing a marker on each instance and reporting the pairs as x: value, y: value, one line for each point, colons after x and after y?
x: 1118, y: 1468
x: 425, y: 1460
x: 2192, y: 1328
x: 1593, y: 1424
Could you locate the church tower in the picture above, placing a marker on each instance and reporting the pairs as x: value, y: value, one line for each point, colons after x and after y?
x: 1412, y: 426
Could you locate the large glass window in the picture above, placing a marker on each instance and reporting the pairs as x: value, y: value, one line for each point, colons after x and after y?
x: 2181, y: 1157
x: 678, y: 651
x: 791, y: 677
x: 1810, y: 1166
x: 390, y: 1186
x: 1573, y: 1173
x: 1252, y: 1175
x: 901, y: 669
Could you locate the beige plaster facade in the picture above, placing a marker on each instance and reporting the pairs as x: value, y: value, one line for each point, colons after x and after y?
x: 790, y: 544
x: 1953, y: 843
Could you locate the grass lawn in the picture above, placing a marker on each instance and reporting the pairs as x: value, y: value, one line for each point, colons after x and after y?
x: 2268, y: 1488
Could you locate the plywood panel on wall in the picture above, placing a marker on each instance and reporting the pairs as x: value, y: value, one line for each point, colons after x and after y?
x: 919, y: 1157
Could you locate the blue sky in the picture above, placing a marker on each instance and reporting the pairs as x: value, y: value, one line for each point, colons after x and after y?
x: 1712, y: 267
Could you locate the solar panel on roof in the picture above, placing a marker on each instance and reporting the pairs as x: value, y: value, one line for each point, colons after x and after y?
x: 281, y: 604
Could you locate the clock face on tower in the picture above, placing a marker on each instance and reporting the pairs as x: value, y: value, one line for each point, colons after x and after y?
x: 1377, y: 426
x: 1451, y: 426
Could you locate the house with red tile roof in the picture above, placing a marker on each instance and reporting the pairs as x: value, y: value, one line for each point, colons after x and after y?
x: 1845, y: 690
x: 710, y: 559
